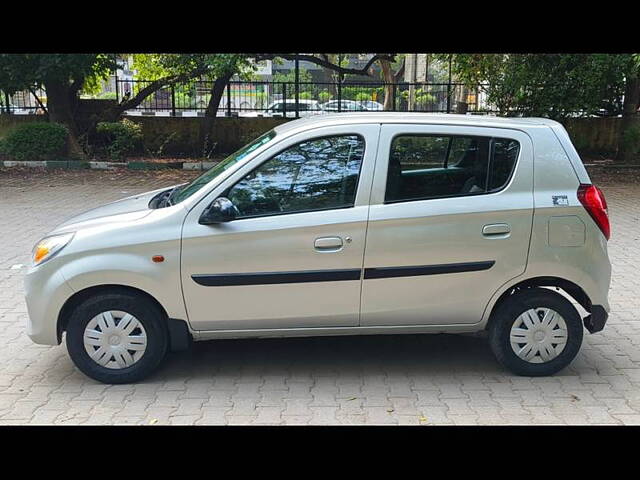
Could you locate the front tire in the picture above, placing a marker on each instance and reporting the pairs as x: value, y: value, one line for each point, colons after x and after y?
x: 117, y: 337
x: 535, y: 332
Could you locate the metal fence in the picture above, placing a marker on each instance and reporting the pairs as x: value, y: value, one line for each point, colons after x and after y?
x: 291, y: 99
x: 278, y: 99
x: 22, y: 102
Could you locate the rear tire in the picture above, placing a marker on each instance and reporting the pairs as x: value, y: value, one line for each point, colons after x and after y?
x: 117, y: 337
x: 535, y: 332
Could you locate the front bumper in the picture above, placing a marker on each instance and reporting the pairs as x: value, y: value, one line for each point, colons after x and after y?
x: 46, y: 291
x: 597, y: 320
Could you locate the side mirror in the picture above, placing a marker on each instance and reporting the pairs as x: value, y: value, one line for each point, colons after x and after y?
x: 219, y: 211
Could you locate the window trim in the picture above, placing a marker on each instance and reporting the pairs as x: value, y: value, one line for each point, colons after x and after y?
x: 451, y: 136
x: 225, y: 192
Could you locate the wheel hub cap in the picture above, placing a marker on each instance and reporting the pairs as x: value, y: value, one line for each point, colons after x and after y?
x: 115, y: 339
x: 538, y: 335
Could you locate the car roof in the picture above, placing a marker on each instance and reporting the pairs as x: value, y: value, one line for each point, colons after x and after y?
x: 520, y: 123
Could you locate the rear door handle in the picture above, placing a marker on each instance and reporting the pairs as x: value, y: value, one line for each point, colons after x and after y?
x: 328, y: 244
x: 496, y: 229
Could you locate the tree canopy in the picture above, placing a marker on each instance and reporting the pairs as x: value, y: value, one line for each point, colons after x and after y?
x: 549, y: 85
x: 20, y: 72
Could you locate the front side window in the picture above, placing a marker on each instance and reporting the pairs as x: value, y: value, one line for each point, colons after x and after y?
x: 316, y: 174
x: 435, y: 166
x: 185, y: 192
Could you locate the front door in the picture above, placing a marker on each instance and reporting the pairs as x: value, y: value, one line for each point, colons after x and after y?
x: 293, y: 257
x: 450, y: 222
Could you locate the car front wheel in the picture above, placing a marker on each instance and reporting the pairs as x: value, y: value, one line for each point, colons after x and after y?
x: 117, y: 337
x: 535, y: 332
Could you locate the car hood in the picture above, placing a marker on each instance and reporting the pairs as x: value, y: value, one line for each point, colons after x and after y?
x: 128, y: 209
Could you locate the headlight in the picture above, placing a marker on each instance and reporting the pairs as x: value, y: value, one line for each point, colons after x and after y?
x: 49, y: 246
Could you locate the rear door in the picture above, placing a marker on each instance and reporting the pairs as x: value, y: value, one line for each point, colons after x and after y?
x: 449, y: 222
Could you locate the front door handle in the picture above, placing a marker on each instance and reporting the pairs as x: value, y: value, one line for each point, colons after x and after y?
x: 328, y: 244
x: 496, y: 229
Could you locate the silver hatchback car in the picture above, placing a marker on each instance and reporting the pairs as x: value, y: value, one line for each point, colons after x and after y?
x: 351, y: 224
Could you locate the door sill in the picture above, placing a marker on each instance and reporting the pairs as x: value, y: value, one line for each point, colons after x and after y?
x: 199, y: 335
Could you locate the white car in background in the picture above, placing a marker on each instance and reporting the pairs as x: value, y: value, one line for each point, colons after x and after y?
x: 371, y: 105
x: 345, y: 106
x: 277, y: 109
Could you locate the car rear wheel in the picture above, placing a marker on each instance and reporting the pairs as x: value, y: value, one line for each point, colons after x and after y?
x: 118, y: 337
x: 536, y: 332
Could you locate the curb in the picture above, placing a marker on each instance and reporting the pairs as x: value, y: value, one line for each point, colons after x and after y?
x: 95, y: 165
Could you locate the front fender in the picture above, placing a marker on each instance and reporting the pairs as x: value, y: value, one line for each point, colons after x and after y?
x: 160, y: 280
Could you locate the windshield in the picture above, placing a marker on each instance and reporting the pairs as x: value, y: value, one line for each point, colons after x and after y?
x: 185, y: 192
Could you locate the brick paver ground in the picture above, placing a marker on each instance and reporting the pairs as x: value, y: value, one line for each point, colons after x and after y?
x: 427, y: 380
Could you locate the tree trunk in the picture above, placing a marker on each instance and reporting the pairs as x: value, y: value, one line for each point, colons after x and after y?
x: 210, y: 114
x: 60, y: 107
x: 626, y: 151
x: 461, y: 104
x: 388, y: 81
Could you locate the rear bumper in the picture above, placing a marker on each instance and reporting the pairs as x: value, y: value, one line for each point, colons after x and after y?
x: 597, y: 320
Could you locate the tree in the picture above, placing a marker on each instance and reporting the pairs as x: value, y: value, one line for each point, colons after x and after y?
x: 167, y: 69
x: 560, y: 85
x: 62, y: 76
x: 549, y: 85
x: 629, y: 141
x: 389, y: 78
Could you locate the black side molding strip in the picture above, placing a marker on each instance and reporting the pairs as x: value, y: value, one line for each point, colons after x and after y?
x: 391, y: 272
x: 306, y: 276
x: 271, y: 278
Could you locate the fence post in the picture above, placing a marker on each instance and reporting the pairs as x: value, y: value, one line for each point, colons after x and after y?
x: 339, y: 93
x: 173, y: 100
x: 284, y: 101
x: 297, y: 88
x: 229, y: 98
x: 116, y: 85
x: 449, y: 88
x: 394, y: 90
x: 6, y: 100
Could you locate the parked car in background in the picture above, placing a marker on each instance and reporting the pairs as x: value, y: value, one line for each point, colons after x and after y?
x: 345, y: 106
x: 371, y: 105
x: 277, y: 109
x: 349, y: 224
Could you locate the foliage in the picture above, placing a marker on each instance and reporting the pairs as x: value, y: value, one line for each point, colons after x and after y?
x: 421, y: 96
x: 21, y: 71
x: 362, y: 93
x: 549, y: 85
x: 36, y: 141
x: 154, y: 66
x: 119, y: 138
x: 290, y: 76
x: 324, y: 96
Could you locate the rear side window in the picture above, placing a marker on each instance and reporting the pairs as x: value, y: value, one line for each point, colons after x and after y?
x: 435, y: 166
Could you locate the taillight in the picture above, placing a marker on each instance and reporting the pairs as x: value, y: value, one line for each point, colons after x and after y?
x: 592, y: 199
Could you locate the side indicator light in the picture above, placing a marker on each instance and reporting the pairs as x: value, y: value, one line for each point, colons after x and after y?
x: 157, y: 258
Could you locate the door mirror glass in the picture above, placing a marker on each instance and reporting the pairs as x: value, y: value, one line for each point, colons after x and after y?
x: 221, y: 210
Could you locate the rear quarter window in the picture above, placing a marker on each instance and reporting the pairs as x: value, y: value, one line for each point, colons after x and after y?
x: 435, y: 166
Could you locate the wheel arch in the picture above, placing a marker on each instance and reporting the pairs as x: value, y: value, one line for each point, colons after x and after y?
x: 572, y: 289
x: 80, y: 296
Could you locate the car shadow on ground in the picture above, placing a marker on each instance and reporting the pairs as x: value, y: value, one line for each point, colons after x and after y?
x: 415, y: 355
